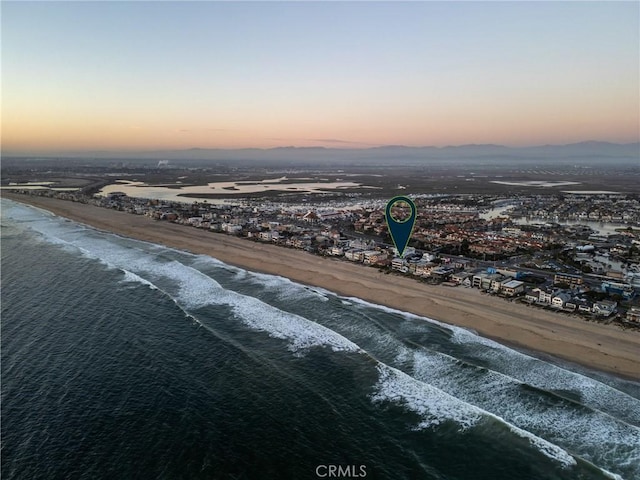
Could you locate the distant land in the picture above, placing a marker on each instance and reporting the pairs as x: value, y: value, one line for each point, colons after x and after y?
x: 583, y: 152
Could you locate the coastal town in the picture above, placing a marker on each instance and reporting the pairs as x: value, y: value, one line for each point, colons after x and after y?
x: 572, y: 253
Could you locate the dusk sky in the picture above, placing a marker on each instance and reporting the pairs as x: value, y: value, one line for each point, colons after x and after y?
x: 157, y: 75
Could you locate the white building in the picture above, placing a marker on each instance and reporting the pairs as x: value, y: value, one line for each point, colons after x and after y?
x: 512, y: 288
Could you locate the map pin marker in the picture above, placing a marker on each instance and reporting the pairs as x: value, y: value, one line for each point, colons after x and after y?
x: 401, y: 218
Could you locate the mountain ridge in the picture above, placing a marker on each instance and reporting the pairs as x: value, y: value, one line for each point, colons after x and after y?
x: 380, y: 154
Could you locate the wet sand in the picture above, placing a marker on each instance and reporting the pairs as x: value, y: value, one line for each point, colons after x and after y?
x: 603, y: 347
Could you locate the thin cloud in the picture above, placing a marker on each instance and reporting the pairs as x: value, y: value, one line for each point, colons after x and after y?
x: 336, y: 140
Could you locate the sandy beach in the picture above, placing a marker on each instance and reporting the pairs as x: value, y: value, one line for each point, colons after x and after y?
x: 603, y: 347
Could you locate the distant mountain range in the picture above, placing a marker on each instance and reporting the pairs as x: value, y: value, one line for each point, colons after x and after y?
x: 389, y: 154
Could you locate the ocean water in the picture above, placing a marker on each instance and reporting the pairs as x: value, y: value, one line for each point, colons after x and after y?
x: 125, y: 359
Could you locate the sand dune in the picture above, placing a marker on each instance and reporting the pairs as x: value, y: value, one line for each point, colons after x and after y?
x: 603, y: 347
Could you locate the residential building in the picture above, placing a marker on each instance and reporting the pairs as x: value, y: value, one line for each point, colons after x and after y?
x: 559, y: 299
x: 355, y: 255
x: 478, y: 279
x: 584, y: 306
x: 372, y: 256
x: 546, y: 296
x: 441, y: 273
x: 571, y: 280
x: 460, y: 277
x: 512, y: 288
x: 604, y: 308
x: 633, y: 315
x: 533, y: 296
x: 398, y: 263
x: 424, y: 267
x: 497, y: 280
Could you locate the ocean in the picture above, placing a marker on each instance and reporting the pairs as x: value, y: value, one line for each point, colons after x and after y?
x: 125, y: 359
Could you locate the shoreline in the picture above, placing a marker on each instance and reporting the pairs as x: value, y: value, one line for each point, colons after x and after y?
x: 593, y: 345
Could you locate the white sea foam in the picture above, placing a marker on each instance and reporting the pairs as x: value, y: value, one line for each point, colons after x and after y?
x: 435, y: 407
x: 432, y: 404
x: 132, y: 277
x: 400, y: 313
x: 284, y: 287
x: 404, y: 355
x: 550, y: 377
x: 547, y: 448
x: 197, y: 290
x: 595, y: 435
x: 23, y: 212
x: 207, y: 260
x: 301, y: 332
x: 611, y: 475
x: 586, y: 432
x: 530, y: 370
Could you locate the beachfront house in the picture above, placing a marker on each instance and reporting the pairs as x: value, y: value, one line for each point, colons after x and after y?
x: 371, y: 257
x: 424, y: 267
x: 545, y: 296
x: 231, y: 228
x: 512, y: 288
x: 583, y: 305
x: 559, y: 299
x: 633, y: 315
x: 266, y: 236
x: 355, y: 255
x: 604, y: 308
x: 441, y: 273
x: 399, y: 264
x: 487, y: 281
x: 476, y: 280
x: 532, y: 296
x: 460, y: 278
x: 411, y: 263
x: 497, y: 280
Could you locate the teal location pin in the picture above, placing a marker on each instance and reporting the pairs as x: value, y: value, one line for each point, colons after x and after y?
x: 401, y: 218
